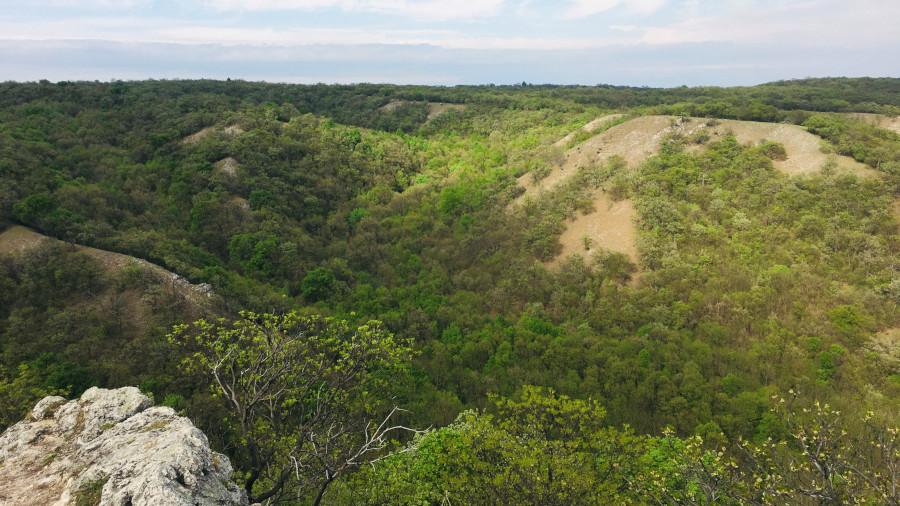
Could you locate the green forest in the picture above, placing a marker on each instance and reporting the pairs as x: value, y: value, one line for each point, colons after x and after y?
x: 374, y: 315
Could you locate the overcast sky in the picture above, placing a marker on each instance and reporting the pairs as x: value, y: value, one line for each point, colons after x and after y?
x: 634, y: 42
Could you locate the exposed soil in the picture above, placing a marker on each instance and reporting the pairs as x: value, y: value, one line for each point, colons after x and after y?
x: 886, y: 345
x: 240, y: 203
x: 18, y: 240
x: 393, y: 104
x: 891, y: 123
x: 231, y: 131
x: 634, y: 141
x: 804, y: 150
x: 639, y: 138
x: 228, y: 166
x: 198, y: 136
x: 594, y: 124
x: 435, y: 109
x: 610, y: 226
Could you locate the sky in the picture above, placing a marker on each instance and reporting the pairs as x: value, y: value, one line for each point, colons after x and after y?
x: 448, y: 42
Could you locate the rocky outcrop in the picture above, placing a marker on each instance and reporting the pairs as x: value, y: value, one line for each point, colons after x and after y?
x: 111, y: 447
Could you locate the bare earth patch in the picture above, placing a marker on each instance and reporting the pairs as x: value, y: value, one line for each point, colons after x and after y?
x: 392, y: 105
x: 804, y: 150
x: 231, y: 131
x: 610, y: 226
x: 634, y: 141
x: 435, y: 109
x: 589, y: 127
x: 639, y: 138
x: 891, y: 123
x: 198, y: 136
x: 18, y: 240
x: 886, y: 345
x: 240, y: 203
x: 227, y: 166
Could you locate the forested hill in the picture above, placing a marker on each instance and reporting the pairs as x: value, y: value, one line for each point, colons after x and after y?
x: 672, y: 260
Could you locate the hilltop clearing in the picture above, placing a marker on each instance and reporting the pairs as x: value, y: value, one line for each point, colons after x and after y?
x: 590, y: 127
x: 804, y: 151
x: 639, y: 138
x: 611, y: 226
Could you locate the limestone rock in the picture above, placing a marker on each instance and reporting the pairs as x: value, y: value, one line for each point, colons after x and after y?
x: 110, y: 447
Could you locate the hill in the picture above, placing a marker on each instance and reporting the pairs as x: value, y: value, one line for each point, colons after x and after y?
x: 682, y: 258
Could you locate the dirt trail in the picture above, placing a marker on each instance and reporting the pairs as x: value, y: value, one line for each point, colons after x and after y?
x: 891, y: 123
x: 609, y: 226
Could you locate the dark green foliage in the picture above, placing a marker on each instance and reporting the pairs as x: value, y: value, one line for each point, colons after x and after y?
x: 349, y: 200
x: 317, y: 284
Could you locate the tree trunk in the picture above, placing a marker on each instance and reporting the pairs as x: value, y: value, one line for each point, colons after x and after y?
x: 321, y: 493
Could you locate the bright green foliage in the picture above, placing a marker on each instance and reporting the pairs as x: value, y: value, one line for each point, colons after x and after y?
x: 21, y: 392
x: 874, y: 146
x: 351, y: 201
x: 542, y: 448
x: 300, y: 392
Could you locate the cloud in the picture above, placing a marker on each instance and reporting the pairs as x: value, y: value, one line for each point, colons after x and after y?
x: 164, y: 30
x: 693, y: 64
x: 436, y: 10
x: 584, y: 8
x: 92, y: 4
x: 828, y: 23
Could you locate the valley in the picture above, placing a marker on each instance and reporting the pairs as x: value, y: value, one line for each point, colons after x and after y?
x: 625, y: 289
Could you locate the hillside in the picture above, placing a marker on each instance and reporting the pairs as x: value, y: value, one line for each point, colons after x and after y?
x: 656, y: 267
x: 17, y: 241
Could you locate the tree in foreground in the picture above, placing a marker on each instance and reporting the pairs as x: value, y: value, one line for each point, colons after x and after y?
x: 302, y: 394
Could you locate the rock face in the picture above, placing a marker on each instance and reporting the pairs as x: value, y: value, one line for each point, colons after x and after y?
x: 111, y: 448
